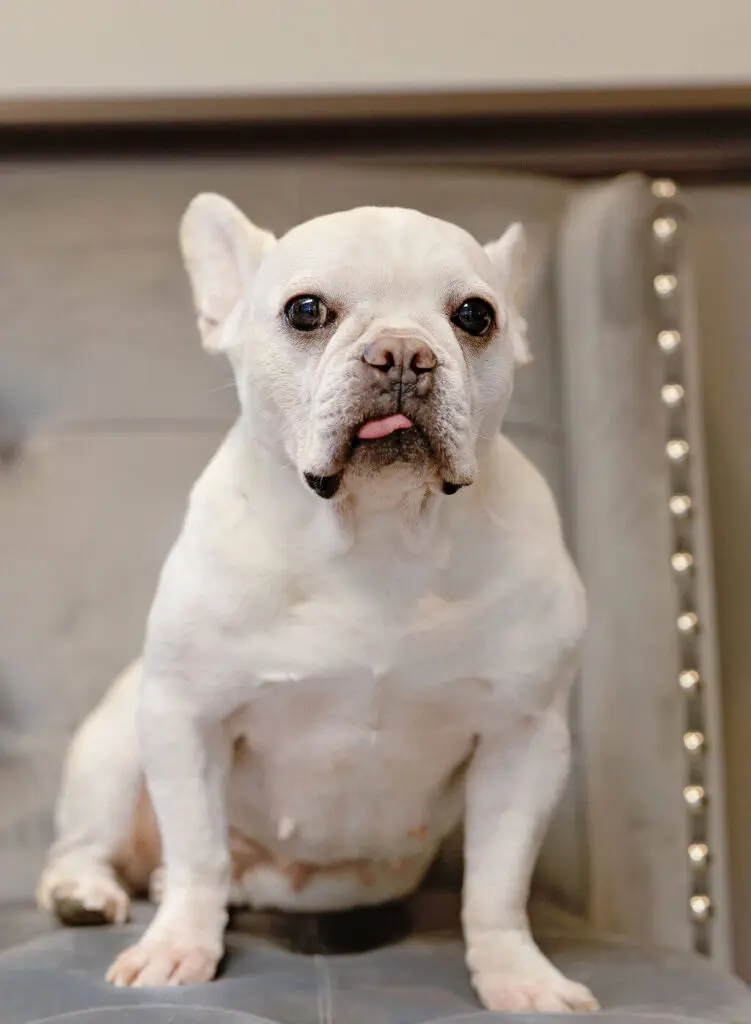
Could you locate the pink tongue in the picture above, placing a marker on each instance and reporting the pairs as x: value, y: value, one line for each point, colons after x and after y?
x: 382, y: 428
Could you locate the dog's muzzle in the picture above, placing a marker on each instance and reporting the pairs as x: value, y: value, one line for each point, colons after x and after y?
x: 396, y: 416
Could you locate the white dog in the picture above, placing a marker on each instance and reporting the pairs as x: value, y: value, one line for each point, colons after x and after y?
x: 367, y: 630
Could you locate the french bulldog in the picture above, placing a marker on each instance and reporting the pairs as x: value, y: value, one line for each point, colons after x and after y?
x: 366, y: 632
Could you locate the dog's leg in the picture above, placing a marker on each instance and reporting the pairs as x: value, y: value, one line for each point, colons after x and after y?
x: 512, y: 788
x: 186, y: 760
x: 238, y: 897
x: 95, y: 811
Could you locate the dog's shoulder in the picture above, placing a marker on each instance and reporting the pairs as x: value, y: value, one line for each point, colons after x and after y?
x: 508, y: 524
x: 248, y: 534
x: 518, y: 547
x: 516, y: 496
x: 534, y: 613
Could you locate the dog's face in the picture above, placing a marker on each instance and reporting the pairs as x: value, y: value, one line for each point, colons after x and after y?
x: 360, y: 340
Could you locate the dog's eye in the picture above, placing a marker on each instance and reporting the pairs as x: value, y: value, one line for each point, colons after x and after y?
x: 475, y: 317
x: 306, y: 313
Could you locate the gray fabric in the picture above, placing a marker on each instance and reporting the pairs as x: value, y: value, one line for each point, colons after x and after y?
x: 423, y: 979
x: 721, y: 236
x: 621, y: 533
x: 632, y: 710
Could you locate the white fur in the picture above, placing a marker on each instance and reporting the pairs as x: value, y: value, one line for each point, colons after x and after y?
x: 393, y: 663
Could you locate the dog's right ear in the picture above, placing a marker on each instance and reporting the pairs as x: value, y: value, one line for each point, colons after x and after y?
x: 222, y: 251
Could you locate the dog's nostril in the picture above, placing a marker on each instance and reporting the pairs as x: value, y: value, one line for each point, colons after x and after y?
x: 383, y: 361
x: 379, y: 356
x: 423, y: 361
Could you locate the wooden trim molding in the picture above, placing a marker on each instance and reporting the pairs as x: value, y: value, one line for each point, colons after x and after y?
x: 388, y: 106
x: 691, y: 135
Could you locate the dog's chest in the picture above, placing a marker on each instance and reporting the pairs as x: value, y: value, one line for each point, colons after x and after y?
x: 359, y: 720
x: 375, y: 615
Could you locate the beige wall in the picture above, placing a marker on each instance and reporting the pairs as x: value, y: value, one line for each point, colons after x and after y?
x: 175, y: 47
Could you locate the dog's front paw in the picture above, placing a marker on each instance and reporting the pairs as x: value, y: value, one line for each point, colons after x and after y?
x: 552, y: 993
x: 88, y: 899
x: 165, y: 962
x: 510, y: 973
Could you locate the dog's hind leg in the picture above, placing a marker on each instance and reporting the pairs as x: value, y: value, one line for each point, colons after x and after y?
x: 95, y: 814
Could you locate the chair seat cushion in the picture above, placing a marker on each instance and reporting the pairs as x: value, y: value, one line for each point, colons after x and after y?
x: 47, y: 972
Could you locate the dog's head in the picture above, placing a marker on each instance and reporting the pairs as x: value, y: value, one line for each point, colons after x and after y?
x: 377, y: 337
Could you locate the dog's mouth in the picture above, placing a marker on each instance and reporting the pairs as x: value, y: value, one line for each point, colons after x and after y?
x: 374, y: 430
x: 372, y: 443
x: 382, y: 440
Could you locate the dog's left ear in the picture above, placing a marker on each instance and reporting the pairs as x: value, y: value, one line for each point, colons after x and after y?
x: 509, y: 257
x: 222, y: 251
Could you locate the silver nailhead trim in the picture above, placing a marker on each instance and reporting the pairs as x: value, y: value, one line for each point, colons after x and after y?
x: 667, y: 227
x: 680, y: 505
x: 665, y: 284
x: 669, y: 340
x: 701, y: 906
x: 689, y: 679
x: 664, y: 188
x: 698, y: 853
x: 693, y: 741
x: 694, y: 795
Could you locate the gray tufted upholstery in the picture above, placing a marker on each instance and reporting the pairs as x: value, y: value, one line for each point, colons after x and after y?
x: 418, y: 981
x: 109, y: 410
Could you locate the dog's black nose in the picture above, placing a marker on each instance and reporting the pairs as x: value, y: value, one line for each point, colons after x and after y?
x: 400, y: 355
